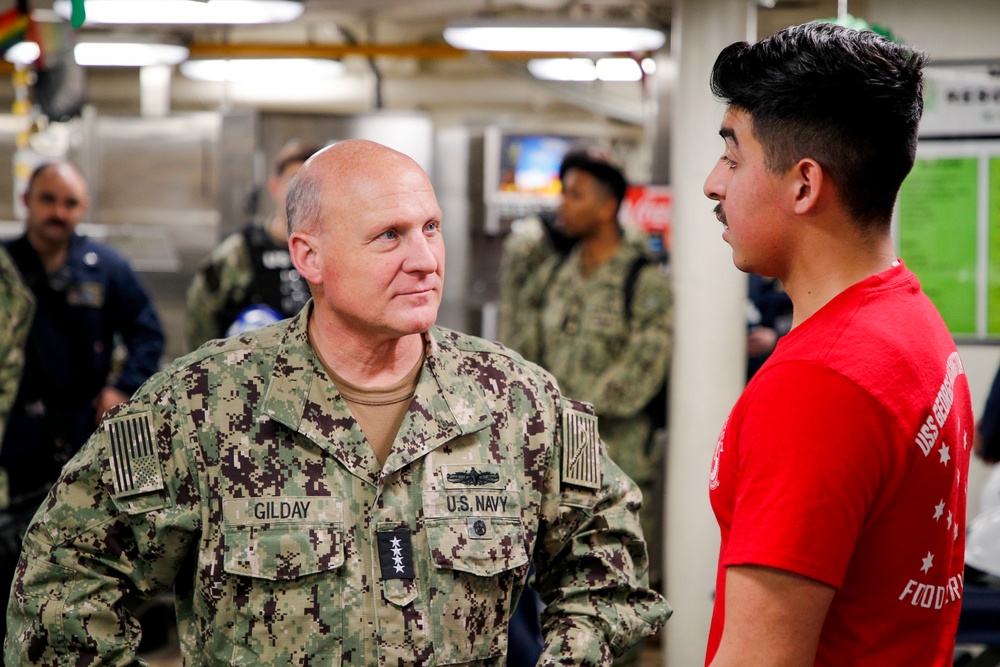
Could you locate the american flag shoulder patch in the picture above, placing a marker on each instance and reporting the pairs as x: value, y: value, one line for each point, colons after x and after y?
x: 581, y: 449
x: 135, y: 464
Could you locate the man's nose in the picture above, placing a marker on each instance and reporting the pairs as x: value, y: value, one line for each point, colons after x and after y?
x: 713, y: 187
x: 421, y: 256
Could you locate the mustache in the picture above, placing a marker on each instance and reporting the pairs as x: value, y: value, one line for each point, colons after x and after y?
x: 56, y: 220
x: 720, y: 215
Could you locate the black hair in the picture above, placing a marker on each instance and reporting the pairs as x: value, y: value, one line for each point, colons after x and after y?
x: 35, y: 173
x: 849, y: 99
x: 293, y: 151
x: 606, y: 173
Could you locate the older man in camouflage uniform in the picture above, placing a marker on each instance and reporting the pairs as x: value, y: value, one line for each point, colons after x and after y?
x: 352, y: 486
x: 17, y: 305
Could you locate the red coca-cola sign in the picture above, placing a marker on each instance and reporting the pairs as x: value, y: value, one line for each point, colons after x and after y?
x: 650, y: 208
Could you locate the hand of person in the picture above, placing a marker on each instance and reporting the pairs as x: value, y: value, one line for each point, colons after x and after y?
x: 107, y: 399
x: 761, y: 340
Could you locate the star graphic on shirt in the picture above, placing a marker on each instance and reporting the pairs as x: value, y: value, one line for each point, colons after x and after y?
x: 949, y: 520
x: 945, y: 456
x: 938, y: 510
x: 395, y: 543
x: 398, y: 568
x: 965, y: 439
x: 928, y: 562
x: 956, y: 532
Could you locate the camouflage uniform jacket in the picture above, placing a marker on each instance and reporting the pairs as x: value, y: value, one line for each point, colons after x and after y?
x: 239, y: 476
x: 17, y: 306
x: 601, y: 356
x: 525, y: 250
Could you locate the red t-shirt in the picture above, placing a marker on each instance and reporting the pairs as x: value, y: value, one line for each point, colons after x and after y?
x: 845, y: 460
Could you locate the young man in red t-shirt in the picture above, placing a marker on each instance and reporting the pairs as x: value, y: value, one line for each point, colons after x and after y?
x: 839, y: 479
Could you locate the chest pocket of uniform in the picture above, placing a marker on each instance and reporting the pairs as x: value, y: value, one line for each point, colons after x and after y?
x: 283, y: 557
x: 483, y: 546
x: 477, y: 564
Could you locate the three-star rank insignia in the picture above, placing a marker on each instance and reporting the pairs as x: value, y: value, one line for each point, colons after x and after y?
x: 395, y: 554
x: 581, y: 449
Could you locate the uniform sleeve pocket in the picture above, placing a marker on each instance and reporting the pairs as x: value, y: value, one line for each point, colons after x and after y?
x: 483, y: 546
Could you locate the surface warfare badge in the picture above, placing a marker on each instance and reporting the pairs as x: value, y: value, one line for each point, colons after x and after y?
x: 473, y: 477
x: 395, y: 554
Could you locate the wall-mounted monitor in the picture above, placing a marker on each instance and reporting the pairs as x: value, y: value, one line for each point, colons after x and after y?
x: 521, y: 173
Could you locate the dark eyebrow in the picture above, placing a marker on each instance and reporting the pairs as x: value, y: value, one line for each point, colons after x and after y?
x: 729, y: 133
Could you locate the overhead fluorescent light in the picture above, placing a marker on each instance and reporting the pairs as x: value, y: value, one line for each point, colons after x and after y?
x: 251, y: 69
x: 540, y: 35
x: 128, y: 54
x: 185, y: 11
x: 563, y: 69
x: 23, y: 53
x: 585, y: 69
x: 618, y: 69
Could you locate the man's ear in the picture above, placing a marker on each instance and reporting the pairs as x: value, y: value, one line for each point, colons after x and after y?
x: 304, y: 251
x: 808, y: 182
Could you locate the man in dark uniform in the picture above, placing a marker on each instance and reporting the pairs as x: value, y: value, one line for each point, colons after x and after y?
x: 86, y: 299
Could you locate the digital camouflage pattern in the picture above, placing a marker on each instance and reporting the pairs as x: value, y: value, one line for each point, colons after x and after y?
x: 225, y: 275
x: 526, y: 249
x: 614, y: 362
x: 17, y: 305
x: 239, y: 476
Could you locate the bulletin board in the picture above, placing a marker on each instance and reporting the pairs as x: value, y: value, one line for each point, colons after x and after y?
x: 947, y: 224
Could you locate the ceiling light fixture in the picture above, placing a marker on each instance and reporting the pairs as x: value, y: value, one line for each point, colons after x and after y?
x: 585, y: 69
x: 185, y: 11
x: 253, y: 69
x: 543, y: 35
x: 128, y: 50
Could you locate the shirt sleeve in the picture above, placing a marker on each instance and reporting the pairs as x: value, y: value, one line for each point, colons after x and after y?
x: 812, y: 456
x: 140, y: 329
x: 99, y: 541
x: 18, y: 305
x: 591, y: 563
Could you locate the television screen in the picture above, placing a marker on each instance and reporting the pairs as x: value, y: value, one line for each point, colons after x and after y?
x: 529, y: 163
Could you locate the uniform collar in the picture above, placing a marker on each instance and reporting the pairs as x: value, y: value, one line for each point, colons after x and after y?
x: 446, y: 404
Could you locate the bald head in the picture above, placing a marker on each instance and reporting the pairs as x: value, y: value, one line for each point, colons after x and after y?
x: 337, y: 179
x: 64, y: 171
x: 366, y: 234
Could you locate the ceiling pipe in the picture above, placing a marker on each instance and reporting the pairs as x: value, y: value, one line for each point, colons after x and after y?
x: 334, y: 51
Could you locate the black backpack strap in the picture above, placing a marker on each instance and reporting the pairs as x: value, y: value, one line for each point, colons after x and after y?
x: 630, y: 280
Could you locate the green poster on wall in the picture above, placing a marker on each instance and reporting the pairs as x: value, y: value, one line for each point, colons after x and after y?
x: 937, y: 235
x: 993, y: 307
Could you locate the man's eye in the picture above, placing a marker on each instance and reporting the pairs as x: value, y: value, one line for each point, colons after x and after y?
x: 728, y: 162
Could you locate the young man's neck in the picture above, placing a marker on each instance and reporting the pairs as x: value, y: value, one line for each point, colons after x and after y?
x: 53, y: 255
x: 598, y: 248
x: 834, y: 263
